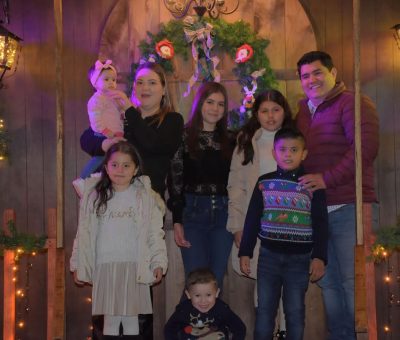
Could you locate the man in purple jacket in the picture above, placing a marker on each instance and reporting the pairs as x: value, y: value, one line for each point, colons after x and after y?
x: 326, y: 118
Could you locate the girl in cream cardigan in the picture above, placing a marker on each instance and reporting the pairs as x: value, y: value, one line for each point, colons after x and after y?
x: 120, y: 247
x: 252, y: 158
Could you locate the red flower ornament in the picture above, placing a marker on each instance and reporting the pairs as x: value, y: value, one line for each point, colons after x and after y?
x: 165, y: 49
x: 243, y: 53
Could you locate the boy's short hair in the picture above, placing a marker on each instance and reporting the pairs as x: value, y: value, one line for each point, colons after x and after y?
x: 289, y: 133
x: 201, y: 275
x: 312, y: 56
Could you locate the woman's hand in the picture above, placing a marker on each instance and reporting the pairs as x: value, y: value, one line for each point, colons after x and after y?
x: 77, y: 282
x: 157, y: 273
x: 317, y: 269
x: 245, y: 265
x: 108, y: 142
x: 179, y: 236
x: 237, y: 238
x: 121, y: 99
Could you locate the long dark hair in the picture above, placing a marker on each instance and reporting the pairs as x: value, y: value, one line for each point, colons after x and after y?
x: 247, y: 132
x: 195, y: 123
x: 104, y: 188
x: 166, y: 103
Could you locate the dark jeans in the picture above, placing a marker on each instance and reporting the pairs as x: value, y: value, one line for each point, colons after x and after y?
x: 338, y: 282
x: 204, y: 223
x: 92, y: 166
x: 276, y: 273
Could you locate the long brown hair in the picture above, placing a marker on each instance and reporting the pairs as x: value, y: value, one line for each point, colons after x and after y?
x: 195, y: 123
x: 248, y: 130
x: 104, y: 188
x: 166, y: 103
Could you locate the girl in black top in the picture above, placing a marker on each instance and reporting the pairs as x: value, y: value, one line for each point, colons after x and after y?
x: 198, y: 180
x: 152, y: 127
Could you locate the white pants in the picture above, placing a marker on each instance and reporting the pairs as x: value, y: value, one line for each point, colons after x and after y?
x: 130, y: 325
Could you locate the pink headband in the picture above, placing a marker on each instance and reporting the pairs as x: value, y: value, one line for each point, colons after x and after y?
x: 98, y: 67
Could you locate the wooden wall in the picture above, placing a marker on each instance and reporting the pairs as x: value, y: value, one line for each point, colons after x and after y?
x: 27, y: 181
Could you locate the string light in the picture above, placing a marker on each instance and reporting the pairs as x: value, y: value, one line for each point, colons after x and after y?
x: 3, y: 141
x: 390, y: 278
x: 88, y: 300
x: 22, y: 294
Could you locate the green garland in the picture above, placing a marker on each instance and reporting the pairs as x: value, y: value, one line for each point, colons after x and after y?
x: 227, y: 37
x: 27, y: 242
x: 387, y: 241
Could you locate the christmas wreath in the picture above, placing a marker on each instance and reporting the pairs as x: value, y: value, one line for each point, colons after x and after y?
x: 203, y: 39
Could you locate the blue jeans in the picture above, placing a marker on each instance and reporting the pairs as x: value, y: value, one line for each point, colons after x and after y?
x: 92, y: 166
x: 338, y: 282
x: 276, y: 273
x: 204, y: 223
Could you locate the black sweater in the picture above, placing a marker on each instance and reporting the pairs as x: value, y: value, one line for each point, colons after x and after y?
x: 189, y: 323
x: 205, y: 174
x: 156, y: 144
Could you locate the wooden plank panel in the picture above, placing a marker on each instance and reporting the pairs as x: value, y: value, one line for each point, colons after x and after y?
x: 12, y: 100
x: 333, y: 33
x: 396, y: 104
x: 347, y: 68
x: 297, y: 25
x: 12, y: 108
x: 316, y: 12
x: 385, y: 102
x: 9, y: 284
x: 269, y: 17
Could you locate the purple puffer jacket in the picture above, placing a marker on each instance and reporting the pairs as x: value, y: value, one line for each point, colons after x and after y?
x: 330, y: 143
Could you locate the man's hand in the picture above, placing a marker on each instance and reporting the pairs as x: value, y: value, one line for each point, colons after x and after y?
x: 179, y: 236
x: 317, y: 269
x: 312, y: 182
x: 245, y: 265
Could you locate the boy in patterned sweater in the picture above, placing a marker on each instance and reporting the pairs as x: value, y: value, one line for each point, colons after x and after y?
x: 292, y: 224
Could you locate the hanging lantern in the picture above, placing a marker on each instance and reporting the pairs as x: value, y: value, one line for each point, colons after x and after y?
x: 9, y: 51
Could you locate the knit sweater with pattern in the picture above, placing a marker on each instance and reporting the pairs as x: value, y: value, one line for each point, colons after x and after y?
x: 286, y: 217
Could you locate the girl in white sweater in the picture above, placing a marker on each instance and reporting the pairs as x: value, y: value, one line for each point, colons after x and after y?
x: 120, y: 247
x: 251, y: 159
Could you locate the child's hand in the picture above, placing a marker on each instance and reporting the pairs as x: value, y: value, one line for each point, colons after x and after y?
x: 77, y: 282
x: 179, y: 236
x: 157, y: 273
x: 317, y: 269
x: 245, y: 265
x: 238, y: 238
x: 120, y: 99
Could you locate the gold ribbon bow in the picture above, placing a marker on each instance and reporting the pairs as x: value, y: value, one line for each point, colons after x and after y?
x: 200, y: 35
